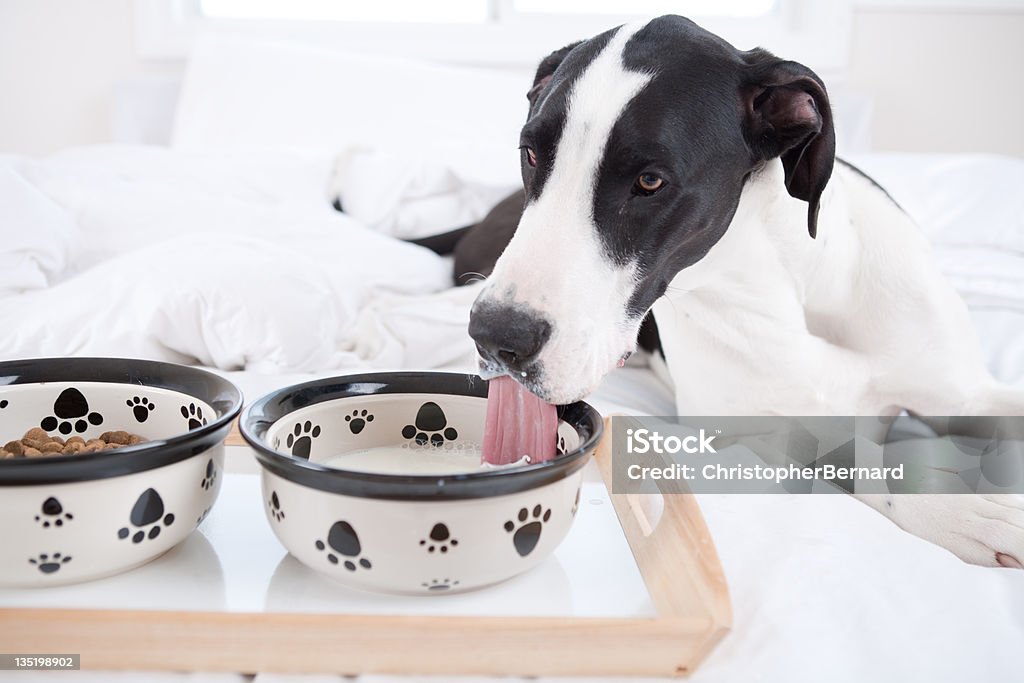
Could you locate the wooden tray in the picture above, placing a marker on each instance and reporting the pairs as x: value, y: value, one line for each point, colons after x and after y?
x: 671, y: 547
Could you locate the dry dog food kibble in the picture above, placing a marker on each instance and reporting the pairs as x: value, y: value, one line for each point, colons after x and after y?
x: 37, y: 443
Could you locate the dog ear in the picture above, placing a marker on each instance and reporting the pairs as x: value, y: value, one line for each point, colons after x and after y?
x: 788, y: 116
x: 545, y: 70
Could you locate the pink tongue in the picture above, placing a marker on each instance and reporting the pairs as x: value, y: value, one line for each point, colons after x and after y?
x: 518, y: 423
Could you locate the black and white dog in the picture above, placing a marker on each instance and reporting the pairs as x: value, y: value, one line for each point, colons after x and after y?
x: 666, y: 171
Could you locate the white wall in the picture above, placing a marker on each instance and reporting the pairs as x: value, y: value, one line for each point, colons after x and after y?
x: 59, y: 61
x: 941, y: 79
x: 946, y: 81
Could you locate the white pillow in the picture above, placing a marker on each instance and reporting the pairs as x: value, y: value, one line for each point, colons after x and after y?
x: 245, y: 92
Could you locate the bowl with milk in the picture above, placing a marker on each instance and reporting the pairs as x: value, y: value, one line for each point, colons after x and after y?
x: 377, y: 481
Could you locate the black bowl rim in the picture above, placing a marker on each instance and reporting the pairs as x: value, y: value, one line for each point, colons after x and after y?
x: 201, y: 384
x: 268, y: 409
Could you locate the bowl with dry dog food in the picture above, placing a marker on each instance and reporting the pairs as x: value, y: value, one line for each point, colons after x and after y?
x: 377, y: 480
x: 105, y: 463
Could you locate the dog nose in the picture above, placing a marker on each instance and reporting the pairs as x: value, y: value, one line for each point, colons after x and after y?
x: 507, y: 335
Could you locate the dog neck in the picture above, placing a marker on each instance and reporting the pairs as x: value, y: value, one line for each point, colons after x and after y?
x: 767, y: 248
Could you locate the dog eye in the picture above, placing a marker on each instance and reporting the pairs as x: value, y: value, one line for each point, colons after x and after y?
x: 531, y: 157
x: 648, y: 183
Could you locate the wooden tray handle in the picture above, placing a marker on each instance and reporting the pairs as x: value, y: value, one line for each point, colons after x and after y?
x: 680, y: 581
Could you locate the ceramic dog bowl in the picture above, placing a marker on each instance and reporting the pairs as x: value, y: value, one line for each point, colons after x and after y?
x: 409, y: 533
x: 70, y: 518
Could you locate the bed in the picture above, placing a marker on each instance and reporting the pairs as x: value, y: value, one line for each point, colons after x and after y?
x: 223, y: 250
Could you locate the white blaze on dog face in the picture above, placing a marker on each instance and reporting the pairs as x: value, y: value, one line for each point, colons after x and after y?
x: 556, y: 267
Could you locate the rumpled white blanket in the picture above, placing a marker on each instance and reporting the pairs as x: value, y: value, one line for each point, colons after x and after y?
x: 411, y: 196
x: 232, y: 260
x: 38, y: 235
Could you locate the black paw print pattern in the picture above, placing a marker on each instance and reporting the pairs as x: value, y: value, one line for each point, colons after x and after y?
x: 342, y: 539
x: 300, y: 440
x: 148, y: 510
x: 71, y: 413
x: 48, y: 564
x: 527, y: 531
x: 4, y: 404
x: 141, y: 408
x: 210, y: 478
x: 440, y: 539
x: 430, y: 418
x: 439, y: 585
x: 357, y: 420
x: 194, y: 415
x: 275, y: 506
x: 560, y: 446
x: 52, y: 514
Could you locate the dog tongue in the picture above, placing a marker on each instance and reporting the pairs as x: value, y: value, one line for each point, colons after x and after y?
x: 518, y: 423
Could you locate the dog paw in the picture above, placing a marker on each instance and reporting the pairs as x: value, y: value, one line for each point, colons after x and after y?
x: 987, y: 530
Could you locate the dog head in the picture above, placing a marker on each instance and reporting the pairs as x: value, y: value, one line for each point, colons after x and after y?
x: 634, y: 154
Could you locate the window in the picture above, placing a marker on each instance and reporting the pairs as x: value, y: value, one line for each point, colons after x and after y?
x: 691, y: 8
x: 472, y: 11
x: 413, y: 11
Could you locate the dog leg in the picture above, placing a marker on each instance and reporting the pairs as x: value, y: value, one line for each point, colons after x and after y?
x: 986, y: 530
x: 980, y: 529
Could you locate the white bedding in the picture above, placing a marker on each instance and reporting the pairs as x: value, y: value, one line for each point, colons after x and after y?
x: 235, y: 260
x: 229, y: 260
